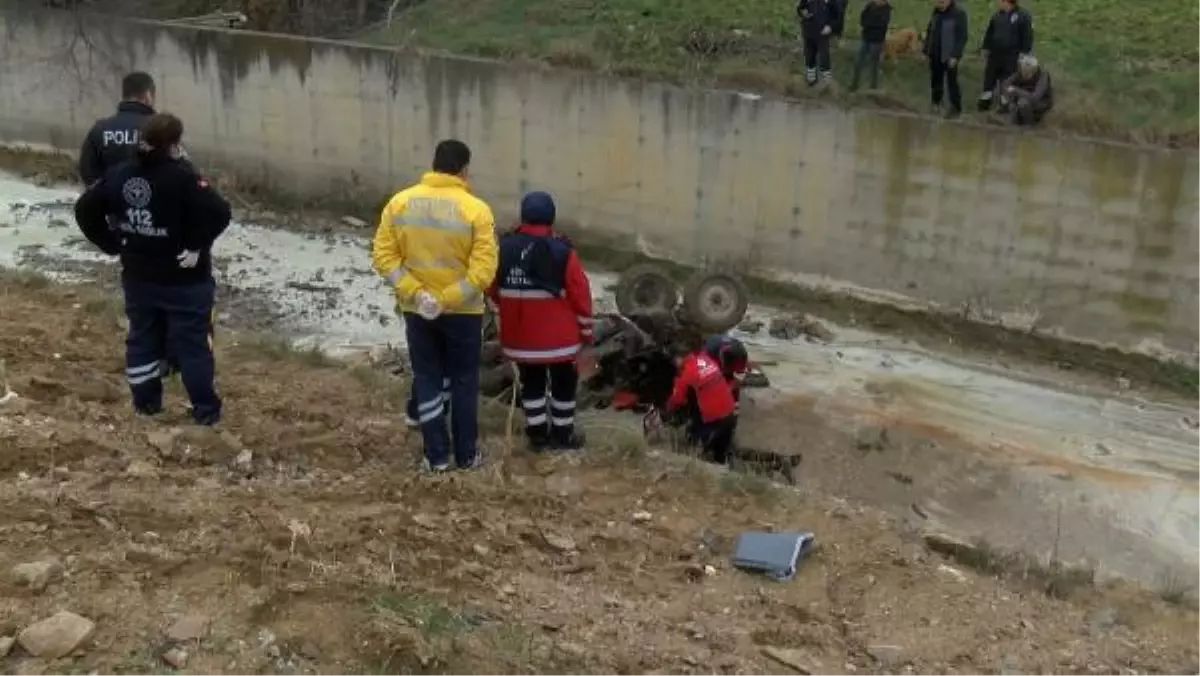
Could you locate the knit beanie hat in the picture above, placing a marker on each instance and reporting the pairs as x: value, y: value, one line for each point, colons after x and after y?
x: 537, y: 208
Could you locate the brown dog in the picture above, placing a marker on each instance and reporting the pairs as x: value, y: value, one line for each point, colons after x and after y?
x: 900, y: 42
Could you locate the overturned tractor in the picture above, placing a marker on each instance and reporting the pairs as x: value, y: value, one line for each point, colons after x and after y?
x: 635, y: 347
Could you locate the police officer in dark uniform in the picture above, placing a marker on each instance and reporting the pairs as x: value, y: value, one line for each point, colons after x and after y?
x: 114, y: 139
x: 165, y: 219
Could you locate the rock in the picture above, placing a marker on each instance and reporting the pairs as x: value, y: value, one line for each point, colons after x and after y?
x: 790, y: 328
x: 887, y: 655
x: 190, y: 627
x: 6, y: 644
x: 38, y: 574
x: 572, y: 650
x: 141, y: 469
x: 176, y: 657
x: 947, y: 544
x: 164, y: 441
x: 354, y: 222
x: 872, y: 439
x: 642, y: 517
x: 56, y: 636
x: 953, y: 572
x: 480, y: 550
x: 797, y: 659
x: 245, y: 458
x: 560, y: 543
x: 751, y: 327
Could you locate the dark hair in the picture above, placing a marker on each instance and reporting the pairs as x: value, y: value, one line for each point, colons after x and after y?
x: 451, y: 157
x: 159, y: 132
x: 136, y: 85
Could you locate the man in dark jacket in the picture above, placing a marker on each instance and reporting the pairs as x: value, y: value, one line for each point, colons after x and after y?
x: 114, y: 139
x: 1027, y: 95
x: 818, y: 21
x: 874, y: 20
x: 1009, y: 35
x: 165, y: 219
x: 945, y: 40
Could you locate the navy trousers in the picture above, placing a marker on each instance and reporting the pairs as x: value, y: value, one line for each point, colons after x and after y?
x: 443, y: 350
x: 175, y: 320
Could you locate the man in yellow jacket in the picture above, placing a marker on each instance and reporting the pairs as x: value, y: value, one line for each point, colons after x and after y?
x: 436, y: 245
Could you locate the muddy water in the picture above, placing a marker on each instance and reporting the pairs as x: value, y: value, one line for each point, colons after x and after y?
x: 1121, y: 472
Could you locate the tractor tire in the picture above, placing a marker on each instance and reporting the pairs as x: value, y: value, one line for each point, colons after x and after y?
x: 715, y: 301
x: 646, y: 289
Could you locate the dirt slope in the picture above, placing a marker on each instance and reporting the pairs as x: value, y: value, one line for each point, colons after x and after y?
x: 322, y: 550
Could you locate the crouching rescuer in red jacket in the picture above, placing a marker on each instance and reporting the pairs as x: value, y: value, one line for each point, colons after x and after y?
x: 702, y: 390
x: 545, y: 305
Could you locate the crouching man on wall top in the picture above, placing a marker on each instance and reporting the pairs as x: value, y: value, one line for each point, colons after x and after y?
x: 545, y: 305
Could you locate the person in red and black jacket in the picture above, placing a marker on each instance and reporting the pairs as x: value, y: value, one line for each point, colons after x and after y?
x: 733, y: 359
x: 700, y: 386
x: 545, y: 307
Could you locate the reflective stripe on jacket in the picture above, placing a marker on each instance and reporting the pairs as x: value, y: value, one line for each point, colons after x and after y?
x: 544, y: 297
x: 437, y: 237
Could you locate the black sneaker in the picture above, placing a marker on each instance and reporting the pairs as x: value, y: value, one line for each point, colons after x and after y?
x: 475, y: 462
x: 537, y: 442
x: 440, y: 468
x: 953, y: 114
x: 147, y: 411
x: 574, y: 442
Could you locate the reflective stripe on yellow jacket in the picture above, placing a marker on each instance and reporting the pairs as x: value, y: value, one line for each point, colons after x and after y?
x: 437, y: 237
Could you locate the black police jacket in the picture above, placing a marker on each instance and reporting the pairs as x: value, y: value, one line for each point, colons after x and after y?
x: 158, y: 208
x: 112, y: 140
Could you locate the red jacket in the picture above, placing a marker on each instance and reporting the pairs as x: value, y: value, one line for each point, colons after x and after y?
x: 543, y: 296
x: 702, y: 375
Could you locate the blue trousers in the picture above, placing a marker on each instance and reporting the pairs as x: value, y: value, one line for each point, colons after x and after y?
x: 441, y: 350
x: 175, y: 320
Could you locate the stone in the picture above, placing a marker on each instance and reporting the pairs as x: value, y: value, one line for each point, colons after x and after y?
x: 56, y: 636
x: 751, y: 327
x: 952, y: 572
x: 947, y: 544
x: 164, y: 441
x: 37, y: 575
x: 559, y: 543
x: 354, y: 222
x: 887, y: 655
x: 245, y: 458
x: 176, y: 657
x: 481, y: 550
x: 141, y: 469
x: 642, y: 517
x: 790, y: 328
x: 795, y: 658
x: 6, y: 644
x: 190, y: 627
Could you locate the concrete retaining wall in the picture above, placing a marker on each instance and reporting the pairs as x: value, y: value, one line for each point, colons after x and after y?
x: 1094, y: 241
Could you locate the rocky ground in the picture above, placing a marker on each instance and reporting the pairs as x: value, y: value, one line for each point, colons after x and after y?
x: 299, y: 538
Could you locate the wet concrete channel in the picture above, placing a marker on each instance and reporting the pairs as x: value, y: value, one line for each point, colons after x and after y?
x: 1122, y: 468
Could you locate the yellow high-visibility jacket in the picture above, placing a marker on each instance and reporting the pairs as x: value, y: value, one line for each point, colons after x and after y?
x: 437, y: 237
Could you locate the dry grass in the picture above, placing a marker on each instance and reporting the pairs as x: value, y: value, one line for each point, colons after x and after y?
x: 331, y: 553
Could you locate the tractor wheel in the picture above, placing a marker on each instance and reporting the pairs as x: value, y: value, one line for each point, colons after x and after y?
x: 715, y: 301
x: 646, y: 289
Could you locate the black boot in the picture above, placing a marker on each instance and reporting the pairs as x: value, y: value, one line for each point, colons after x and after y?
x: 568, y: 440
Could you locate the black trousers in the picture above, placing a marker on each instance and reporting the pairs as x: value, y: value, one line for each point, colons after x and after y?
x: 548, y: 399
x: 999, y: 66
x: 816, y: 56
x: 943, y: 79
x: 714, y: 438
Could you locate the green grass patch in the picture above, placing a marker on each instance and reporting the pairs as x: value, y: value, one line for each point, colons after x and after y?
x: 1120, y: 69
